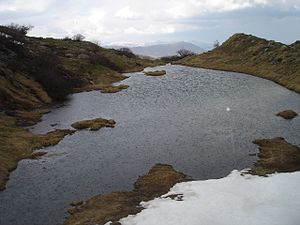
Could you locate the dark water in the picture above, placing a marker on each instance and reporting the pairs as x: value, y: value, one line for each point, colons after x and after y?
x: 200, y: 121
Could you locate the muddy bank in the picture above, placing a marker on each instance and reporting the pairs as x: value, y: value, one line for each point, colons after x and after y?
x: 94, y: 124
x: 17, y: 143
x: 287, y: 114
x: 116, y: 205
x: 276, y: 155
x: 155, y: 73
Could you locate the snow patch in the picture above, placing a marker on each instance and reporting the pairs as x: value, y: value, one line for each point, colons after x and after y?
x: 238, y: 199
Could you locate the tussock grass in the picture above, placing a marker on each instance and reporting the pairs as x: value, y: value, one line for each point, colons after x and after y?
x: 155, y: 73
x: 18, y: 143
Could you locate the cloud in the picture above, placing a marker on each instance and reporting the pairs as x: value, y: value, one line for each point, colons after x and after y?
x: 144, y: 21
x: 19, y: 5
x: 127, y: 13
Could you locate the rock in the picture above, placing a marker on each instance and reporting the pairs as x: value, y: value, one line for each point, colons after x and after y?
x: 287, y: 114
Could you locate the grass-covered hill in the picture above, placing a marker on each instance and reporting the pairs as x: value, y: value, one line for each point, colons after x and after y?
x: 252, y: 55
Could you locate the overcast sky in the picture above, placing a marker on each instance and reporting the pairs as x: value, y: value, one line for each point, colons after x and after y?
x: 138, y: 22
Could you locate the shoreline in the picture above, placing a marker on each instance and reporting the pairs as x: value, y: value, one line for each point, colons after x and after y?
x: 16, y: 121
x: 236, y: 71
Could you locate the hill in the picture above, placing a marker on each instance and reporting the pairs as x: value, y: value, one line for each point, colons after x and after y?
x: 160, y: 50
x: 256, y: 56
x: 36, y: 71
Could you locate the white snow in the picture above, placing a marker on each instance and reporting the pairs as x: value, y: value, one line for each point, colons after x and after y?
x: 232, y: 200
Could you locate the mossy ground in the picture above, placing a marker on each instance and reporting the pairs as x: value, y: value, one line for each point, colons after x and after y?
x: 116, y: 205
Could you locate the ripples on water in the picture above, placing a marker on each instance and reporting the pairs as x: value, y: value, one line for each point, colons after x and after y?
x: 200, y: 121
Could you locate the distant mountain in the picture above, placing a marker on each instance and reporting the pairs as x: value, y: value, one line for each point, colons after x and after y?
x: 159, y: 50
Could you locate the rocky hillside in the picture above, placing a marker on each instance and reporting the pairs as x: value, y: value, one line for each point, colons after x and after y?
x: 249, y: 54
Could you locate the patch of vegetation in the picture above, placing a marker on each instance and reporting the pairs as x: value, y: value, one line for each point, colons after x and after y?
x: 184, y: 53
x: 155, y: 73
x: 127, y: 52
x: 287, y: 114
x: 276, y: 155
x: 116, y: 205
x: 94, y: 124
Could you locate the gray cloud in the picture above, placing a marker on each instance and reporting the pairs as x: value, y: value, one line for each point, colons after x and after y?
x: 146, y: 21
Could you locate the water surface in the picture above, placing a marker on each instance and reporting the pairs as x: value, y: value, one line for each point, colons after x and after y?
x: 201, y: 121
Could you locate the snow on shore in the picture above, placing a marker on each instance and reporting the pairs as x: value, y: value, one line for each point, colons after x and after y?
x: 232, y: 200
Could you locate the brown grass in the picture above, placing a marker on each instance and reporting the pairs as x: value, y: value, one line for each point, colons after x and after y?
x: 276, y: 155
x: 287, y: 114
x: 18, y: 143
x: 94, y: 124
x: 248, y: 54
x: 27, y: 118
x: 155, y: 73
x: 116, y: 205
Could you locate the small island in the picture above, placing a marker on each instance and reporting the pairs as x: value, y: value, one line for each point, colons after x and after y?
x: 94, y: 124
x: 287, y: 114
x: 155, y: 73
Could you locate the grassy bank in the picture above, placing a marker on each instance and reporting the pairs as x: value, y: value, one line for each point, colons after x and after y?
x: 256, y: 56
x: 116, y: 205
x: 17, y: 143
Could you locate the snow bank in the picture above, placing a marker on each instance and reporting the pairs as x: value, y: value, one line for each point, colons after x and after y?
x: 233, y: 200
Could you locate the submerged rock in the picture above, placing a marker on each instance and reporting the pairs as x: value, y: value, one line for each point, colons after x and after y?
x: 116, y: 205
x: 287, y: 114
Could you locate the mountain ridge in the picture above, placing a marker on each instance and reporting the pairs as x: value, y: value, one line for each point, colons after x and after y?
x: 163, y: 49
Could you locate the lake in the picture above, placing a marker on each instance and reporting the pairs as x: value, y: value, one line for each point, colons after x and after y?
x: 200, y: 121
